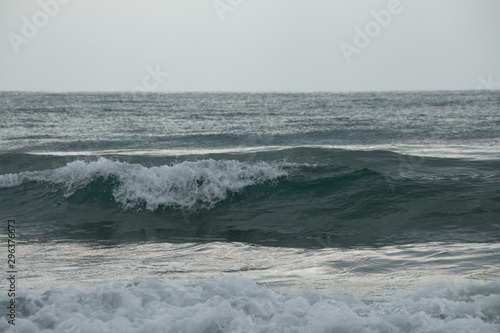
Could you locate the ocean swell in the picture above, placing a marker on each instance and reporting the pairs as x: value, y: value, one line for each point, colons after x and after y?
x: 285, y: 198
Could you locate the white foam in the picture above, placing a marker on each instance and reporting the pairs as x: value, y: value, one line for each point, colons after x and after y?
x: 237, y: 304
x: 10, y: 180
x: 187, y: 184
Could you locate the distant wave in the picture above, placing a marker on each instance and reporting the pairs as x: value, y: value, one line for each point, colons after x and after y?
x: 237, y: 304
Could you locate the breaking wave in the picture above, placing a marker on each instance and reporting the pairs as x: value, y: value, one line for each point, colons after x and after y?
x: 287, y: 198
x: 187, y: 184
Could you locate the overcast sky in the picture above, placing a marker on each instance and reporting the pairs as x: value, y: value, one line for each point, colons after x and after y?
x: 249, y: 45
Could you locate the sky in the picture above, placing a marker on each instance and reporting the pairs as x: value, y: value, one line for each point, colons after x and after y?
x: 249, y: 45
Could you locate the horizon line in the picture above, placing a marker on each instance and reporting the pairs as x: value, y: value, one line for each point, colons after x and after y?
x: 240, y: 91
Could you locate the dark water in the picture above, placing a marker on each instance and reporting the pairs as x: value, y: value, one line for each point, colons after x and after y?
x: 454, y: 121
x: 294, y: 190
x: 292, y: 197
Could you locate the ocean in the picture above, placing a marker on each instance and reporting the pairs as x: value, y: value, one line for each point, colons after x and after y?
x: 250, y: 212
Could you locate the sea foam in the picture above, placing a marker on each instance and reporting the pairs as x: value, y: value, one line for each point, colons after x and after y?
x: 237, y: 304
x: 186, y: 185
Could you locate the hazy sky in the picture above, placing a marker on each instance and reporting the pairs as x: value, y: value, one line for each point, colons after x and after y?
x: 249, y: 45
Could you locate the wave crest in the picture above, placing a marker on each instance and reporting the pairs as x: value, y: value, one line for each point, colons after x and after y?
x: 184, y: 185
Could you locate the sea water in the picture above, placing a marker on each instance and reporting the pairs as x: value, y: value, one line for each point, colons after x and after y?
x: 252, y: 212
